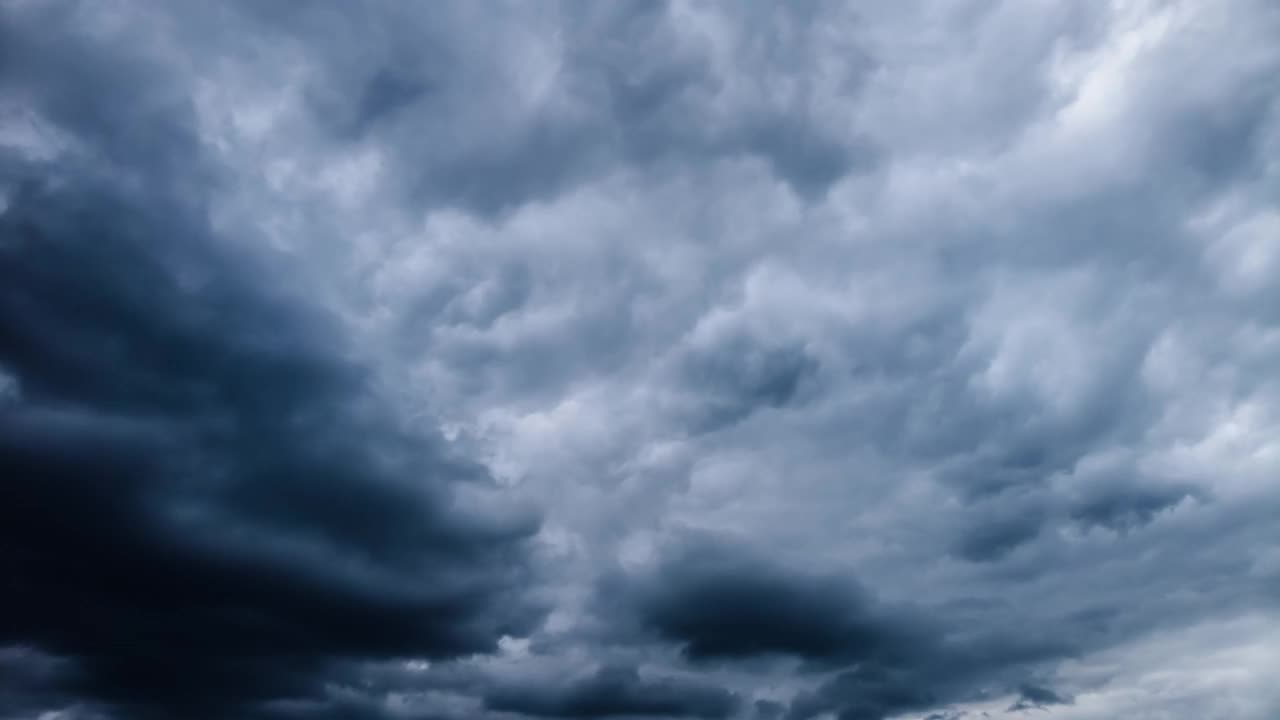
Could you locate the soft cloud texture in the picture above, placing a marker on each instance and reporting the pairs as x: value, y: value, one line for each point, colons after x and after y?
x: 639, y: 359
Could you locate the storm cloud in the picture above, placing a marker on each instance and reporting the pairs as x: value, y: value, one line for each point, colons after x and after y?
x: 720, y: 602
x: 615, y: 692
x: 673, y: 359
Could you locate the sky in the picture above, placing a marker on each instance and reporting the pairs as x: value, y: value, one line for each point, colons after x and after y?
x: 562, y: 360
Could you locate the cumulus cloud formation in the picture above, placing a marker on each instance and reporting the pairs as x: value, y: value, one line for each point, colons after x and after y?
x: 639, y: 359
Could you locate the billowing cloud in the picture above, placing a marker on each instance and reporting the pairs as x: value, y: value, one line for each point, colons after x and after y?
x: 642, y: 359
x: 208, y: 506
x: 718, y: 602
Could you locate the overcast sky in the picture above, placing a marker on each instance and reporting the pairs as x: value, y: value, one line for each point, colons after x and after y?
x: 726, y: 361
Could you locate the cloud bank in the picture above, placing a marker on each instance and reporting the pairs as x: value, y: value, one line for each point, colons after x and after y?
x: 639, y: 359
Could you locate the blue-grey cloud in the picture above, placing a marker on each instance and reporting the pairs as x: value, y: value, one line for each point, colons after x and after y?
x: 719, y: 602
x: 615, y: 692
x: 1035, y: 697
x: 193, y: 464
x: 443, y: 360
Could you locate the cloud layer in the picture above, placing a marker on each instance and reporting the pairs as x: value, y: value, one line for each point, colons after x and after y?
x: 576, y: 360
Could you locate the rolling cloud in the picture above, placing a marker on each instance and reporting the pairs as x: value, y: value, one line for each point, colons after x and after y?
x: 413, y: 361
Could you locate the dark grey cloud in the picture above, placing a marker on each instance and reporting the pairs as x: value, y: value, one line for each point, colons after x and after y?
x: 991, y: 537
x: 1035, y: 697
x: 720, y: 602
x: 737, y: 376
x: 441, y: 360
x: 768, y: 709
x: 388, y: 91
x: 867, y: 693
x: 1125, y: 507
x: 952, y: 674
x: 615, y: 692
x: 207, y: 505
x: 32, y: 681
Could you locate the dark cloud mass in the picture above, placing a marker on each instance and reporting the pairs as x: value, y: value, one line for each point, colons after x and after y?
x: 193, y: 467
x: 615, y: 692
x: 720, y: 602
x: 450, y: 360
x: 1034, y: 697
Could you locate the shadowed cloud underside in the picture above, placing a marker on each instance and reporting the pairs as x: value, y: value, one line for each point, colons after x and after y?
x: 431, y: 361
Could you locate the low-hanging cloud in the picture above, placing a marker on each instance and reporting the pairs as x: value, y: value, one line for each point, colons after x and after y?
x: 641, y: 359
